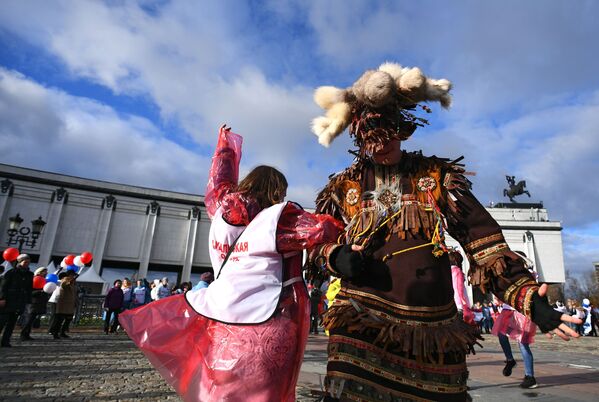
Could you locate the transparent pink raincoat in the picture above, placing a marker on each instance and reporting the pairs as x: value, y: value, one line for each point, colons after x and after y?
x: 207, y: 360
x: 459, y: 294
x: 514, y: 325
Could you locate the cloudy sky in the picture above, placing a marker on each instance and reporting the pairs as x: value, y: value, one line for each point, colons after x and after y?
x: 134, y: 91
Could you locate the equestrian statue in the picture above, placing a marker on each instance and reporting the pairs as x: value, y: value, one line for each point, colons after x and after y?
x: 515, y: 189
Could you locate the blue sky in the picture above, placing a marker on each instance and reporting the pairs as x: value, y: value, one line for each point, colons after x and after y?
x: 134, y: 91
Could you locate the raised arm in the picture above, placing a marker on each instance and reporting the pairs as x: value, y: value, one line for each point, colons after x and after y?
x: 493, y: 266
x: 298, y: 229
x: 224, y: 171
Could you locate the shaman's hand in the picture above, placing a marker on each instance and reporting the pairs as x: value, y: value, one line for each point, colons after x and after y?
x: 350, y: 261
x: 550, y: 321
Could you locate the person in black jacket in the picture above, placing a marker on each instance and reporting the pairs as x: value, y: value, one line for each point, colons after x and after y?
x: 15, y: 294
x: 315, y: 298
x: 39, y: 301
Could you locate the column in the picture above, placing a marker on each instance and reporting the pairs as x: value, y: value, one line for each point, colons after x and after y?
x: 530, y: 249
x: 194, y: 216
x: 48, y: 236
x: 108, y: 205
x: 152, y: 213
x: 6, y: 188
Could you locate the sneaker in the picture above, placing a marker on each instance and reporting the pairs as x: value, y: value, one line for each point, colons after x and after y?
x: 63, y: 335
x: 55, y: 336
x: 509, y: 365
x: 529, y: 382
x: 26, y: 338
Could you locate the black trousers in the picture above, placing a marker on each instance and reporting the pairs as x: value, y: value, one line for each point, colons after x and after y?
x: 7, y: 324
x: 314, y: 324
x: 60, y: 324
x: 52, y: 313
x: 115, y: 322
x: 29, y: 320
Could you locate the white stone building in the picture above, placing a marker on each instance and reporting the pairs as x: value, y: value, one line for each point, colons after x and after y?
x: 141, y: 232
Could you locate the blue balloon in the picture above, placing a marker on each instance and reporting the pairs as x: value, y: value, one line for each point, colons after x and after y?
x: 73, y: 268
x: 52, y: 278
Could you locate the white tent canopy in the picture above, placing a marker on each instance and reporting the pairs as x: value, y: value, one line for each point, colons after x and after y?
x: 51, y: 267
x: 89, y: 275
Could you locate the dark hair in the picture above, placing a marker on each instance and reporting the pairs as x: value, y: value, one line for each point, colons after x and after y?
x: 265, y: 184
x: 207, y: 277
x: 115, y: 282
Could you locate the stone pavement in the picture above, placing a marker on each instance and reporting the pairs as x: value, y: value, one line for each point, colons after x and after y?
x: 565, y: 371
x: 95, y: 367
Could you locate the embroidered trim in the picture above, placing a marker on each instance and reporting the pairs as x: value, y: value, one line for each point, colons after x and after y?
x: 391, y: 319
x: 384, y: 390
x: 472, y: 246
x: 406, y: 312
x: 527, y: 302
x: 421, y: 384
x: 484, y: 255
x: 371, y: 298
x: 509, y: 296
x: 445, y: 369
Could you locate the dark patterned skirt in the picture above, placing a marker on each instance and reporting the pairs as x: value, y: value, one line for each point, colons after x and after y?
x: 383, y: 351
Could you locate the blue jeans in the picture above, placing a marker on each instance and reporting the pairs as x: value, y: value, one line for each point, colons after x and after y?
x: 524, y: 350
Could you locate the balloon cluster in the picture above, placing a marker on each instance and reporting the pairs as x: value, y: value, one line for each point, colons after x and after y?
x: 75, y: 263
x: 51, y: 283
x: 69, y: 263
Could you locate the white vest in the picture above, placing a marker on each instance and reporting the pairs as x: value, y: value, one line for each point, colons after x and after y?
x: 247, y: 288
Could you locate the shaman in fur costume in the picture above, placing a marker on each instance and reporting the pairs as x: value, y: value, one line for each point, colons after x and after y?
x: 395, y: 334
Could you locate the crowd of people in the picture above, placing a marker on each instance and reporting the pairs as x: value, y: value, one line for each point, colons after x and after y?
x: 585, y: 311
x: 124, y: 296
x: 24, y: 299
x: 485, y: 314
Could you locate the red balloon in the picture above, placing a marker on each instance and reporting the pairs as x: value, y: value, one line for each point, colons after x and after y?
x: 10, y: 254
x: 69, y: 259
x: 39, y: 282
x: 86, y: 257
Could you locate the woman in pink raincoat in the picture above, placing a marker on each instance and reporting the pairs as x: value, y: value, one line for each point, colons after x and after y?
x: 229, y: 341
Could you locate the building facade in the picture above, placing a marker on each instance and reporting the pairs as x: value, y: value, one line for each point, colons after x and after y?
x: 139, y: 232
x: 132, y: 231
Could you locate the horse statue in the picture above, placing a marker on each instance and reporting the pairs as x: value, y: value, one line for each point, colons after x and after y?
x: 515, y: 189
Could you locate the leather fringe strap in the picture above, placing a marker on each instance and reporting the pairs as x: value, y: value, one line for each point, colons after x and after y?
x: 427, y: 341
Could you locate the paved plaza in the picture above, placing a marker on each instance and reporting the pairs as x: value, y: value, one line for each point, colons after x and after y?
x: 92, y: 366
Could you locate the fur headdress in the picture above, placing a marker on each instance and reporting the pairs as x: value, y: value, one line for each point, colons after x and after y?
x: 389, y: 92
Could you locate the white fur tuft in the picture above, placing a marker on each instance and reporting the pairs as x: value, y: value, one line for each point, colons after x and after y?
x: 328, y: 127
x: 412, y: 80
x: 438, y: 90
x: 393, y: 69
x: 327, y: 96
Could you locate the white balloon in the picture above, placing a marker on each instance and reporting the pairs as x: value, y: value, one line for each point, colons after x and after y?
x: 63, y: 264
x: 49, y: 287
x: 77, y: 261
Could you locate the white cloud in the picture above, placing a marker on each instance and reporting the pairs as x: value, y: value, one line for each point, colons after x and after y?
x: 580, y: 248
x: 501, y: 56
x: 48, y: 129
x: 516, y: 69
x: 184, y: 60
